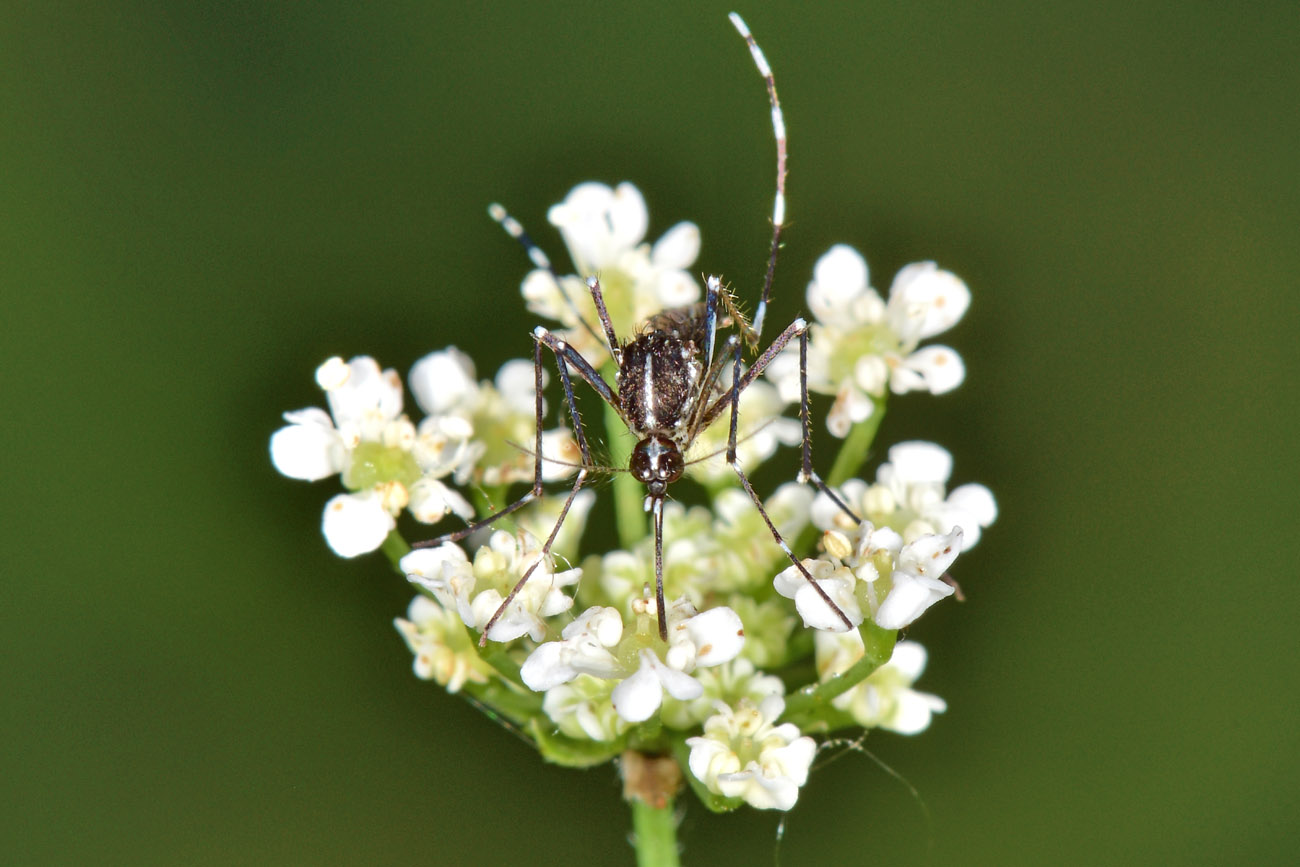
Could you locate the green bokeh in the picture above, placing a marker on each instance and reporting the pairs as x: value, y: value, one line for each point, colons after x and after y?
x: 204, y: 200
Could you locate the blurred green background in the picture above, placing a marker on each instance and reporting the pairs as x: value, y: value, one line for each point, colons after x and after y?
x: 203, y: 200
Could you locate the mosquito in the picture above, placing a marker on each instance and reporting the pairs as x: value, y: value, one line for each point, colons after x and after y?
x: 668, y: 388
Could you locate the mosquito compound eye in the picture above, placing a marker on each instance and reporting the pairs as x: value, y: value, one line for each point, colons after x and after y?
x: 656, y: 461
x: 671, y: 466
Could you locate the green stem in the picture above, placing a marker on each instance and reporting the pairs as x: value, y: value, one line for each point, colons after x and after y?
x: 856, y: 446
x: 654, y: 834
x: 810, y: 702
x: 395, y: 548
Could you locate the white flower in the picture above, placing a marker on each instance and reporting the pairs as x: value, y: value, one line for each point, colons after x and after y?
x: 584, y: 648
x: 443, y: 649
x: 475, y: 591
x: 743, y: 754
x: 915, y: 580
x: 582, y: 708
x: 604, y: 229
x: 871, y: 569
x: 885, y: 699
x: 860, y: 345
x: 836, y: 580
x: 910, y: 495
x: 365, y: 438
x: 597, y: 644
x: 484, y: 431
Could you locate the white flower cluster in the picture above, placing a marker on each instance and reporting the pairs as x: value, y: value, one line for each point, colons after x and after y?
x: 388, y: 464
x: 862, y: 345
x: 891, y: 563
x: 910, y: 495
x: 588, y: 687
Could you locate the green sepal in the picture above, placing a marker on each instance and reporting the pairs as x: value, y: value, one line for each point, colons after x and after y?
x: 570, y: 752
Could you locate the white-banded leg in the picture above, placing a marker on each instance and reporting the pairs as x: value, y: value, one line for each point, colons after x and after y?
x: 532, y: 494
x: 565, y: 355
x: 740, y: 383
x: 611, y: 339
x: 778, y: 206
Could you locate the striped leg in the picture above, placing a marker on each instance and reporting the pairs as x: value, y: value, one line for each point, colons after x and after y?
x: 778, y: 206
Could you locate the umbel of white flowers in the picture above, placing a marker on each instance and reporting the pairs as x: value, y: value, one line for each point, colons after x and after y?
x: 575, y: 662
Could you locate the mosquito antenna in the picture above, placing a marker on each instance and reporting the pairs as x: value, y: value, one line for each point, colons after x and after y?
x: 515, y: 229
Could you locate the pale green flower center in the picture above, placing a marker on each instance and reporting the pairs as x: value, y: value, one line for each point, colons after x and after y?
x: 371, y: 464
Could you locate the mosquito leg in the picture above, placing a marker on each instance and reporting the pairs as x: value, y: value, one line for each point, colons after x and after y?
x: 598, y: 297
x: 707, y: 386
x: 578, y: 363
x: 713, y: 289
x: 778, y: 131
x: 806, y: 472
x: 563, y: 357
x: 658, y: 512
x: 734, y: 398
x: 542, y: 555
x: 740, y: 383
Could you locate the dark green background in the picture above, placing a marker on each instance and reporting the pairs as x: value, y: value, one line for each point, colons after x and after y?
x: 202, y: 201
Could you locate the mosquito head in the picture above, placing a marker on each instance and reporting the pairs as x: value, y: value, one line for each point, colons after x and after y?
x: 657, y: 462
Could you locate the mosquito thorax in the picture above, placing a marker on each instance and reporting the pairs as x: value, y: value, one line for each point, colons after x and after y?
x: 658, y: 376
x: 657, y: 462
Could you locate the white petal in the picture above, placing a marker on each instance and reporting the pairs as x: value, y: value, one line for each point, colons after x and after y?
x: 817, y: 614
x: 629, y: 216
x: 851, y: 407
x: 639, y: 696
x: 517, y: 381
x: 826, y: 515
x: 908, y: 600
x: 443, y: 381
x: 542, y: 295
x: 931, y: 555
x: 356, y: 524
x: 941, y: 368
x: 545, y: 668
x: 676, y: 289
x: 977, y: 501
x: 431, y: 500
x: 560, y: 453
x: 678, y: 248
x: 919, y: 462
x: 937, y: 298
x: 718, y: 636
x: 913, y: 711
x: 333, y: 373
x: 676, y: 683
x: 366, y: 392
x: 839, y: 276
x: 871, y: 373
x: 909, y: 658
x: 599, y: 224
x: 310, y: 450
